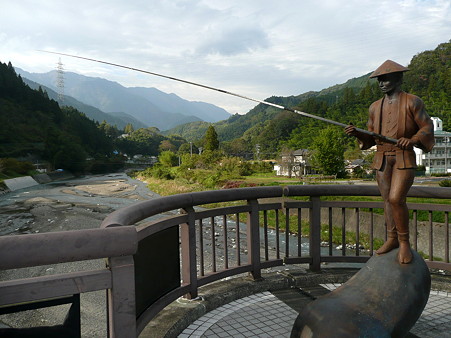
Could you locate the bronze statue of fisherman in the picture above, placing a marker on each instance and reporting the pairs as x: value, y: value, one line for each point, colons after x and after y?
x: 401, y: 116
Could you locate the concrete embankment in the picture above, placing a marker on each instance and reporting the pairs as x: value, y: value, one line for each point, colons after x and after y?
x: 23, y: 182
x: 20, y: 183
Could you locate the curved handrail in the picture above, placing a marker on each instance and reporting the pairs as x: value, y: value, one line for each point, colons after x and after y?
x: 66, y: 246
x: 142, y: 210
x: 120, y: 237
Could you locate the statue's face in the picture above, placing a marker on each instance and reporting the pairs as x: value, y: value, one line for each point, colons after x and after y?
x: 389, y: 82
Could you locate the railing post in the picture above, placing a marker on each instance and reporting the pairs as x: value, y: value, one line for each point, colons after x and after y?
x: 253, y: 239
x: 121, y: 298
x: 188, y: 249
x: 315, y: 233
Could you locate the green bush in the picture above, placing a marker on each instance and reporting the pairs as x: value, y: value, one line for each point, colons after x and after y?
x: 230, y: 166
x: 211, y: 181
x: 421, y: 168
x: 262, y: 167
x: 445, y: 183
x: 245, y: 169
x: 189, y: 161
x: 13, y: 167
x: 440, y: 174
x: 168, y: 159
x: 161, y: 172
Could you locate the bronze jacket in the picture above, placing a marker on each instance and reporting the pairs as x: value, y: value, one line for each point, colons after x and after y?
x: 413, y: 123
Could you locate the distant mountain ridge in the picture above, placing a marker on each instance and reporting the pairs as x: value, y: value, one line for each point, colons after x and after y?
x: 237, y: 125
x: 118, y: 119
x: 152, y: 107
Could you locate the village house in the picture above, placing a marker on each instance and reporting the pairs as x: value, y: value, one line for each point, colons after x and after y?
x: 438, y: 161
x: 294, y: 163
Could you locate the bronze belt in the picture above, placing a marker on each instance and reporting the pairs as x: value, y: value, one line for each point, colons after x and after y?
x: 387, y: 148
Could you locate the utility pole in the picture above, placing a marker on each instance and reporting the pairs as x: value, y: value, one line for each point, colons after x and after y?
x: 257, y: 150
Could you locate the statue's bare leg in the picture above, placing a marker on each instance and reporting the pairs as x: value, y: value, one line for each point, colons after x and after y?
x: 390, y: 244
x: 405, y: 253
x: 402, y: 180
x: 384, y: 179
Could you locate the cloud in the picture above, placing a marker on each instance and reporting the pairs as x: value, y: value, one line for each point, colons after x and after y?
x: 235, y: 41
x: 257, y: 48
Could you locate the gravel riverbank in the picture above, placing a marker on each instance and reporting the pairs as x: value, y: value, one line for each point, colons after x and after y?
x: 60, y: 206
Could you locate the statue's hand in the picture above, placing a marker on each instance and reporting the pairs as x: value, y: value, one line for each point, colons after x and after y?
x: 405, y: 143
x: 350, y: 130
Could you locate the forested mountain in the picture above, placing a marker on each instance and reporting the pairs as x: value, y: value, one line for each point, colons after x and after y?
x: 236, y: 125
x: 430, y: 79
x: 116, y: 119
x: 34, y: 127
x: 31, y: 123
x: 273, y: 129
x: 152, y: 107
x: 172, y: 103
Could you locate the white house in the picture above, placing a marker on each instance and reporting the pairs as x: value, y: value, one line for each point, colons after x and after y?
x: 439, y: 159
x: 293, y: 163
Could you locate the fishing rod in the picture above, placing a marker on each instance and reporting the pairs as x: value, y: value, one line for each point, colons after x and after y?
x: 381, y: 137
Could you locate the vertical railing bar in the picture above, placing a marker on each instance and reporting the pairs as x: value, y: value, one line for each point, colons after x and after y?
x: 357, y: 231
x: 431, y: 240
x: 213, y: 244
x: 226, y: 249
x: 253, y: 239
x: 287, y: 232
x: 121, y: 311
x: 343, y: 231
x: 299, y: 232
x: 371, y: 231
x: 330, y: 231
x: 315, y: 233
x: 201, y: 248
x: 415, y: 229
x: 447, y: 237
x: 265, y: 233
x: 277, y: 235
x: 238, y: 243
x: 188, y: 251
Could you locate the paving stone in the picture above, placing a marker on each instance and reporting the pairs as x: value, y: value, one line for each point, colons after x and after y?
x: 272, y: 315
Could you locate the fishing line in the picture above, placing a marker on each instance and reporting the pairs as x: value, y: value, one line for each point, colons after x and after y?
x: 381, y: 137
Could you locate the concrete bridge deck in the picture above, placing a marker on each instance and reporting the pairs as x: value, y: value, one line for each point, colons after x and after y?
x: 238, y: 307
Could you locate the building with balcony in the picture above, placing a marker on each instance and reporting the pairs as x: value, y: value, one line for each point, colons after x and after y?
x: 438, y: 161
x: 294, y: 163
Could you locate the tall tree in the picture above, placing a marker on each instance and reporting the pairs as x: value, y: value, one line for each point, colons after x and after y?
x: 128, y: 128
x: 328, y: 152
x: 211, y: 139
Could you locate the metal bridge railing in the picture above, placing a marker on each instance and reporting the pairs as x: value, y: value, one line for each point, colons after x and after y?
x: 161, y: 249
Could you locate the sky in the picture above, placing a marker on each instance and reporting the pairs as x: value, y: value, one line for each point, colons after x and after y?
x: 255, y: 48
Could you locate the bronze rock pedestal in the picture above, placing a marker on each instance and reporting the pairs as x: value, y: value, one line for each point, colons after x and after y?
x: 383, y: 299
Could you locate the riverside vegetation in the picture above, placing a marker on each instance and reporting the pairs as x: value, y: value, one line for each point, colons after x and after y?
x: 36, y: 128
